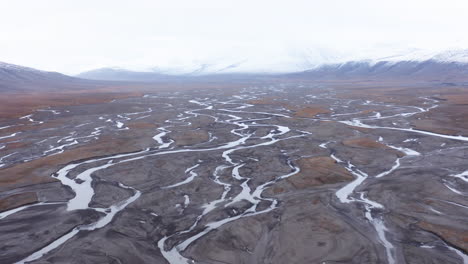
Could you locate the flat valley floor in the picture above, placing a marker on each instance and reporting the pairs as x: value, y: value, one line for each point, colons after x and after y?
x: 280, y: 172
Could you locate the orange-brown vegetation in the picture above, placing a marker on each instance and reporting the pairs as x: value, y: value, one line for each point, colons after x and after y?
x: 310, y: 111
x: 15, y: 145
x: 28, y: 126
x: 40, y: 170
x: 455, y: 96
x: 277, y: 190
x: 364, y: 143
x: 190, y: 137
x: 325, y: 223
x: 369, y: 144
x: 454, y: 236
x: 365, y: 112
x: 433, y: 126
x: 15, y: 105
x: 141, y: 125
x: 265, y: 101
x: 317, y: 171
x: 299, y: 111
x: 361, y: 129
x: 450, y: 117
x: 17, y: 200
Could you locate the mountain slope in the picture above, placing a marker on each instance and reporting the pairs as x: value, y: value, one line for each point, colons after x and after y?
x: 283, y: 61
x: 430, y: 70
x: 15, y: 78
x: 114, y: 74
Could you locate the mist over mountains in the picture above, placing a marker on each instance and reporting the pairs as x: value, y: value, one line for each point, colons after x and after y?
x: 413, y: 63
x: 15, y: 78
x: 447, y: 67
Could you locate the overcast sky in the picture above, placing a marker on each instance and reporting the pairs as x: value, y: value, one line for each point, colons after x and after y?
x: 71, y: 36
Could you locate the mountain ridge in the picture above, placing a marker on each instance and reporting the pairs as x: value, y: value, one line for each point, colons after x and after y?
x: 436, y: 69
x: 430, y: 70
x: 289, y: 62
x: 16, y: 78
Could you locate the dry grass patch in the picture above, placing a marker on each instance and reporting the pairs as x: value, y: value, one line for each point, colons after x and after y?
x: 368, y: 143
x: 310, y: 111
x: 457, y: 237
x: 318, y: 171
x: 17, y: 200
x: 192, y: 137
x: 40, y: 170
x: 141, y: 125
x: 15, y: 105
x: 265, y: 101
x: 364, y: 143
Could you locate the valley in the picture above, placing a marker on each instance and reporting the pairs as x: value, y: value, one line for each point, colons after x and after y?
x: 272, y: 171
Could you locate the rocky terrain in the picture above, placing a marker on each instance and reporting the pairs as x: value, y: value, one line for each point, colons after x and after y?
x: 282, y: 172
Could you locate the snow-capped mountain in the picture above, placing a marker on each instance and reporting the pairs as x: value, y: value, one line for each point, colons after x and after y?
x: 289, y: 62
x: 454, y: 55
x: 12, y: 72
x: 414, y: 64
x: 427, y: 71
x: 14, y: 67
x: 15, y: 78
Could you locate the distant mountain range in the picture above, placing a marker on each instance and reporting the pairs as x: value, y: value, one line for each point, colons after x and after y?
x: 430, y: 70
x: 408, y: 60
x: 116, y: 74
x: 450, y: 67
x: 15, y: 78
